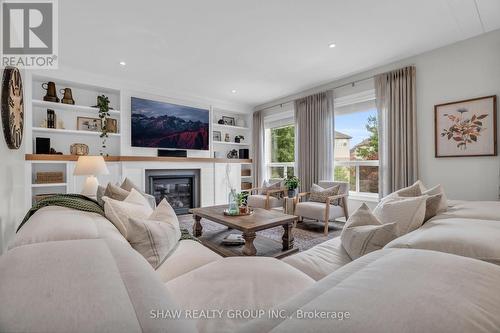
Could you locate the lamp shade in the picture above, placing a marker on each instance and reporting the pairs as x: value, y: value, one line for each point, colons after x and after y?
x: 90, y: 166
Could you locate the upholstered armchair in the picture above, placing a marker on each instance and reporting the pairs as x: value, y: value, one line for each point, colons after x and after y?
x: 334, y: 207
x: 262, y: 197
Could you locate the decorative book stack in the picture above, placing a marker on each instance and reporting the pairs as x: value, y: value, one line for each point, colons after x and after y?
x: 233, y: 239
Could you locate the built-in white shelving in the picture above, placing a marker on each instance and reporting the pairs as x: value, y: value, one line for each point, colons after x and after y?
x: 49, y: 185
x: 231, y: 143
x: 62, y: 138
x: 229, y: 127
x: 70, y: 107
x: 66, y: 134
x: 67, y: 131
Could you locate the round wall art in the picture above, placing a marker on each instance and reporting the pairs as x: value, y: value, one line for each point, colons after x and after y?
x: 12, y: 107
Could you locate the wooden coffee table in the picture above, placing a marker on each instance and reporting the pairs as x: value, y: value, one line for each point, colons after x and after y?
x: 261, y: 219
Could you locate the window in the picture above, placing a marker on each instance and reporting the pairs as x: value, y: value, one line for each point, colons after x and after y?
x: 356, y: 142
x: 280, y: 145
x: 282, y: 161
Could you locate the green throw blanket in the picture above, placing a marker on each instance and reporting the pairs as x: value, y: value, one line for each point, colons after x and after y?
x: 79, y: 202
x: 74, y: 201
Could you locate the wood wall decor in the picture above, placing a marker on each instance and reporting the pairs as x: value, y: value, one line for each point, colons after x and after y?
x: 12, y: 107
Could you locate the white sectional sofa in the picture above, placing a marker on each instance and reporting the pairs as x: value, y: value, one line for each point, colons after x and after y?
x: 467, y: 228
x: 72, y: 271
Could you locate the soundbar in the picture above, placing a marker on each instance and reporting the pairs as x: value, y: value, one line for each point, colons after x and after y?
x: 172, y: 153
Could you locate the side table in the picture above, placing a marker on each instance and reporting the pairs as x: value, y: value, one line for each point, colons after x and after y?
x: 289, y: 205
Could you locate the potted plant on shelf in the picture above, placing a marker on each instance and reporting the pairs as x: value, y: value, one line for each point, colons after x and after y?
x: 241, y: 199
x: 292, y: 183
x: 103, y: 105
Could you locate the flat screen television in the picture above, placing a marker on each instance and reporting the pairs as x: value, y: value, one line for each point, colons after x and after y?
x: 166, y: 125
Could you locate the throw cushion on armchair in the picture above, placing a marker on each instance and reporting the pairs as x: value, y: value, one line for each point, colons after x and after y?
x: 319, y: 194
x: 268, y: 186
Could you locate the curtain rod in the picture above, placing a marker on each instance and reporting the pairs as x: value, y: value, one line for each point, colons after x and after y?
x: 352, y: 83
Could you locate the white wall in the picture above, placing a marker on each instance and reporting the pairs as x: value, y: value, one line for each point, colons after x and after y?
x: 11, y: 189
x: 467, y: 69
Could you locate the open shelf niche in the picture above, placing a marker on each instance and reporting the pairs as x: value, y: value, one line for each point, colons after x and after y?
x: 66, y: 132
x: 242, y: 125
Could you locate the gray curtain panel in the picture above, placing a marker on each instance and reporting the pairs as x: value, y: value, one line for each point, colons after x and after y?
x: 259, y: 168
x: 396, y: 103
x: 314, y: 138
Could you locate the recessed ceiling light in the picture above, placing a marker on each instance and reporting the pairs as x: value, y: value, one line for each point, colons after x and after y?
x: 331, y: 45
x: 233, y: 91
x: 123, y: 63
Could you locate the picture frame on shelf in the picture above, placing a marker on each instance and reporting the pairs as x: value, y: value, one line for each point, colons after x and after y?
x: 217, y: 136
x: 88, y: 124
x: 230, y: 121
x: 466, y: 128
x: 112, y: 125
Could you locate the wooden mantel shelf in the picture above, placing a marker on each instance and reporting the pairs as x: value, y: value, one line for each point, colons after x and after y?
x: 50, y: 157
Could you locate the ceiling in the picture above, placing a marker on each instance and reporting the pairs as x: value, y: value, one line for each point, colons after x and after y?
x: 264, y: 49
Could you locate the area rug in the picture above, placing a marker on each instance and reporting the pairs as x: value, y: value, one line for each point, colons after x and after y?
x: 307, y: 234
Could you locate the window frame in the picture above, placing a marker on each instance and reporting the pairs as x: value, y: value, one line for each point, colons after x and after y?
x: 279, y: 120
x: 367, y: 95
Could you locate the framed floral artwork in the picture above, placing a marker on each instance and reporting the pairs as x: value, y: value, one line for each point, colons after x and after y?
x: 466, y: 128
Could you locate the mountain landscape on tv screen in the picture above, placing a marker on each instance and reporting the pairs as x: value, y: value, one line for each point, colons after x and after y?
x: 166, y: 125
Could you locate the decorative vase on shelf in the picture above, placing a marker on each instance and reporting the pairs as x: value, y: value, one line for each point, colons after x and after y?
x: 233, y: 205
x: 67, y: 96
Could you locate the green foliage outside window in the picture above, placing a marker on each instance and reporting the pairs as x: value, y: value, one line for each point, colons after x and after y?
x: 283, y: 144
x: 370, y: 150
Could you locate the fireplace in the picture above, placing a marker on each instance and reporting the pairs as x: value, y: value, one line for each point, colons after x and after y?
x: 181, y: 188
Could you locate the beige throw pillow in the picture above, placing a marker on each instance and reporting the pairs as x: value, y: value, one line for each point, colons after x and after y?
x: 408, y: 213
x: 100, y: 194
x: 116, y: 192
x: 268, y: 186
x: 128, y: 185
x: 156, y: 236
x: 432, y: 206
x: 414, y: 190
x: 364, y: 233
x: 438, y: 189
x: 319, y: 194
x: 118, y: 212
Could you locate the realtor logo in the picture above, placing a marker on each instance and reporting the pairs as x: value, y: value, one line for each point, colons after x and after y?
x: 29, y: 34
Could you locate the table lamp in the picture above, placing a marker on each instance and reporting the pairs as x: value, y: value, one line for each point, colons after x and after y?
x: 90, y: 166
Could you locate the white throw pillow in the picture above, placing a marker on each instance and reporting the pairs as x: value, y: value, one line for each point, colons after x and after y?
x: 155, y: 237
x: 438, y: 189
x: 408, y: 213
x: 364, y: 233
x: 118, y: 212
